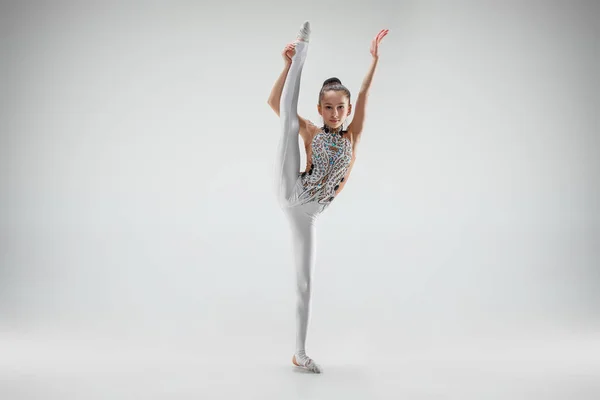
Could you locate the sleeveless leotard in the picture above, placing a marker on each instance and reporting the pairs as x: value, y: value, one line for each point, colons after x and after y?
x: 331, y: 157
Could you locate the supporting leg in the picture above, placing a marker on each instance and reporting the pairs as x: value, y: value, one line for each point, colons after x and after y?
x: 304, y: 236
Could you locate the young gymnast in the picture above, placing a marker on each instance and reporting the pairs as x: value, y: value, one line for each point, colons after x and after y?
x: 330, y: 155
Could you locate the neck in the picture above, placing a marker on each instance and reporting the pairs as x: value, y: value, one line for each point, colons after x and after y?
x: 333, y: 130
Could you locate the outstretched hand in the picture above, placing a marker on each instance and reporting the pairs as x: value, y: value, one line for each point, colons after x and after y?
x: 375, y: 43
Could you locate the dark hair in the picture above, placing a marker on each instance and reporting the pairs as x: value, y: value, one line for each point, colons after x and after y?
x: 333, y: 84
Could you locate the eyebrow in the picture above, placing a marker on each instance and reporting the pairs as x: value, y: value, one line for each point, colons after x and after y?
x: 331, y: 104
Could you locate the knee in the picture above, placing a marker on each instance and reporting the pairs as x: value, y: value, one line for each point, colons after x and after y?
x: 304, y: 287
x: 290, y: 123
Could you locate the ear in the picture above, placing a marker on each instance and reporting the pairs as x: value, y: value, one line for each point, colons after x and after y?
x: 319, y: 109
x: 349, y: 109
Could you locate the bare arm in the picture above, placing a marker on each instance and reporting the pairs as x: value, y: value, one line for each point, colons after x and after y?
x: 356, y: 127
x: 275, y: 96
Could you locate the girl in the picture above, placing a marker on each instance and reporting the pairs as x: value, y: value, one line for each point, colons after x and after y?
x: 330, y: 155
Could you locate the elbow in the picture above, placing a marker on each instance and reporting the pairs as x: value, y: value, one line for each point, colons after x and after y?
x: 274, y: 107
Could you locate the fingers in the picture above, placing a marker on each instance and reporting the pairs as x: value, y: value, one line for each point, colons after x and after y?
x: 289, y: 47
x: 375, y: 42
x: 381, y: 35
x: 289, y: 51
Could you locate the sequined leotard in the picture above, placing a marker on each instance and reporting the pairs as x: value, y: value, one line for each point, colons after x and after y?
x: 331, y: 157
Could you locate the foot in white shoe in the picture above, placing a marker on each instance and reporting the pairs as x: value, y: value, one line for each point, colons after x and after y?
x: 304, y: 33
x: 307, y: 363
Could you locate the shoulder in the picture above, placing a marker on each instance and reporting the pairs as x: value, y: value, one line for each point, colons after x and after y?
x: 308, y: 130
x: 311, y: 127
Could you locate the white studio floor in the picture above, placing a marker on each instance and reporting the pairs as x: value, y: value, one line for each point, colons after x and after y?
x: 192, y: 366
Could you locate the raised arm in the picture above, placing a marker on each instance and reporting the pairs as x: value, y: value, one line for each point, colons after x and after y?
x: 356, y: 126
x: 275, y: 96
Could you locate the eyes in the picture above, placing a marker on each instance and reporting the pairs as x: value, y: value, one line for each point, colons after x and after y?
x: 328, y: 107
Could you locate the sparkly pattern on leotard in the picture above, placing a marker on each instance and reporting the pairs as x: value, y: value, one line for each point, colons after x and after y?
x: 331, y: 157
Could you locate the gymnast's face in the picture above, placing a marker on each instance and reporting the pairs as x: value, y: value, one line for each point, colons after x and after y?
x: 334, y: 108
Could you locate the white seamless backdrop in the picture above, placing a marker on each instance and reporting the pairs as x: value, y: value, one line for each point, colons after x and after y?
x: 136, y: 155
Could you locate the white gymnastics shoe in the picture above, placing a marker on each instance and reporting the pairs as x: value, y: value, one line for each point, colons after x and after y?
x: 304, y: 33
x: 307, y: 363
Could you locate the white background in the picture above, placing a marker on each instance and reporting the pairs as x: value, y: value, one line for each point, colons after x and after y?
x: 137, y: 202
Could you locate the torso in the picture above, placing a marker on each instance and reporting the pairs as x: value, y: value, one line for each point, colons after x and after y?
x: 331, y: 157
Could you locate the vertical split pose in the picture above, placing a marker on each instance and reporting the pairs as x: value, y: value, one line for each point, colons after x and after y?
x: 330, y: 155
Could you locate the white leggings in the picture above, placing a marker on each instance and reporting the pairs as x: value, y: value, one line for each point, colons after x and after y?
x: 301, y: 216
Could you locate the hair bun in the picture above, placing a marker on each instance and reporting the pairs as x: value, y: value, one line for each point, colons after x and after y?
x: 331, y: 81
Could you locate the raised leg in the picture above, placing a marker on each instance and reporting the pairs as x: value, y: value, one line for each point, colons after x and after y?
x: 288, y: 154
